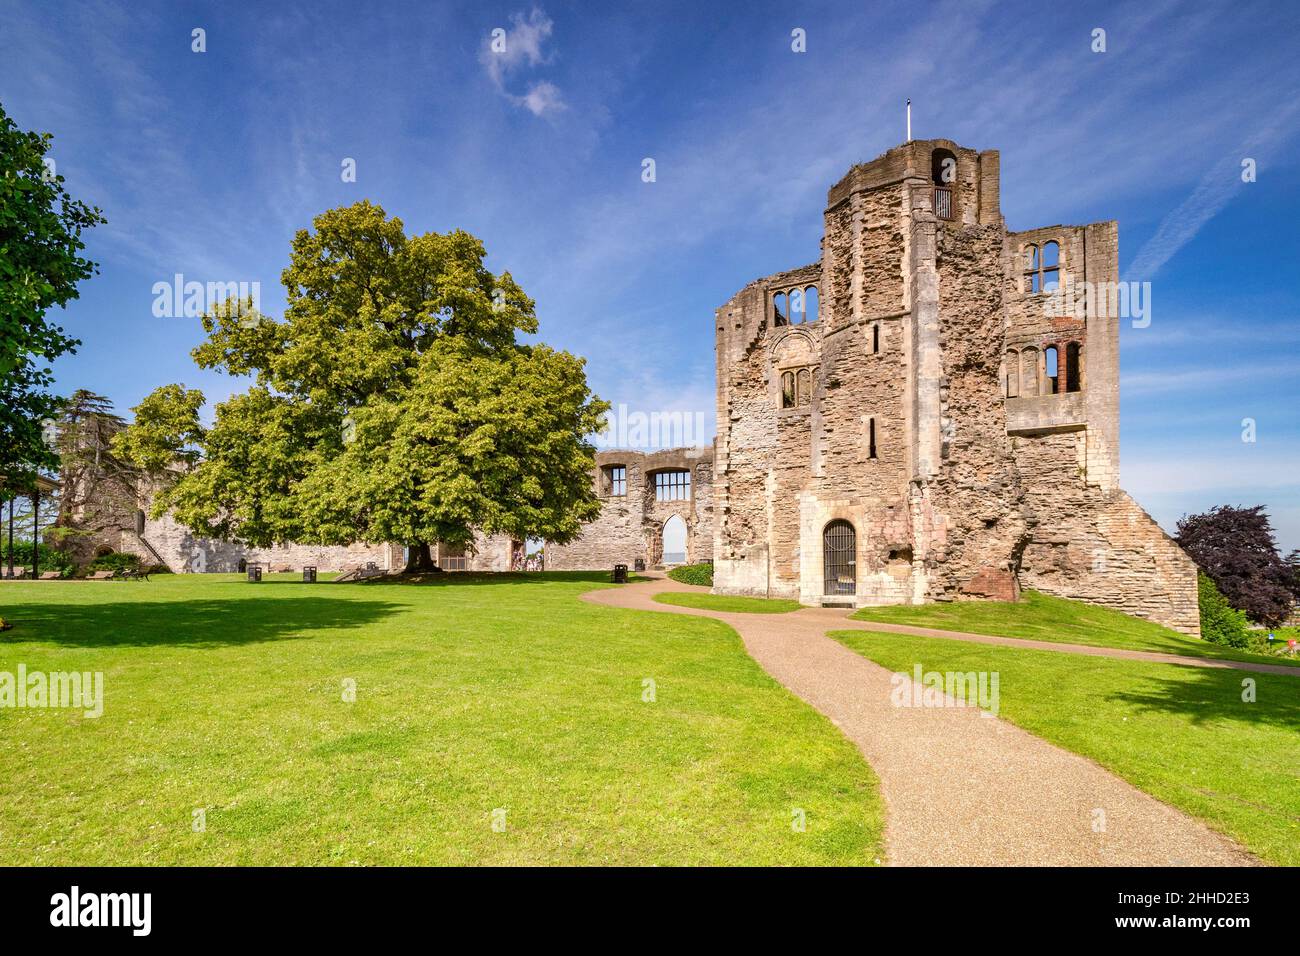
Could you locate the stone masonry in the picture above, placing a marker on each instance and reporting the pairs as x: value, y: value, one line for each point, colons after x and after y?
x: 634, y: 512
x: 122, y: 524
x: 931, y: 411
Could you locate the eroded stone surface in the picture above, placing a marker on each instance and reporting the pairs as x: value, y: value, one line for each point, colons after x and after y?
x: 932, y: 425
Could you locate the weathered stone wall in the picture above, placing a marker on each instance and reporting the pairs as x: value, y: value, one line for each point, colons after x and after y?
x: 630, y: 525
x: 176, y: 546
x: 984, y: 476
x: 1095, y: 544
x: 121, y: 523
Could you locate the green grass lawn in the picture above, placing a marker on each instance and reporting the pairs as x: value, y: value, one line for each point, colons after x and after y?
x: 1041, y: 617
x: 1182, y: 734
x: 722, y: 602
x: 474, y: 693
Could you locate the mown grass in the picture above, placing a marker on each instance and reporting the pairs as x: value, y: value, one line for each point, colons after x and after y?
x: 721, y: 602
x: 1042, y: 617
x: 1182, y: 734
x: 473, y: 694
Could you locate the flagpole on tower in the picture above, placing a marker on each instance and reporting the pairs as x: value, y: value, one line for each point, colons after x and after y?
x: 909, y: 119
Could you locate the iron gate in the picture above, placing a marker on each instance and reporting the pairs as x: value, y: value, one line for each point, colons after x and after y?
x: 840, y: 565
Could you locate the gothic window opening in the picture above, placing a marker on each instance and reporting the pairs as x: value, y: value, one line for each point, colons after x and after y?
x: 1031, y: 268
x: 796, y: 388
x: 943, y: 173
x: 672, y: 485
x: 810, y: 303
x: 1013, y: 373
x: 839, y: 559
x: 1051, y: 370
x: 1051, y: 266
x: 1072, y: 367
x: 1042, y: 268
x: 1030, y: 372
x: 780, y: 315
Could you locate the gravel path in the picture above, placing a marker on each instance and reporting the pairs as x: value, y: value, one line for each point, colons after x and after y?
x: 961, y: 788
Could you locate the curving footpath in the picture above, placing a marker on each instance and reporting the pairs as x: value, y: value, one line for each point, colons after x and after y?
x: 962, y: 789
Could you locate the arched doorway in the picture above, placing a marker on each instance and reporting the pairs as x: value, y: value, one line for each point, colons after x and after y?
x: 840, y: 561
x: 674, y: 540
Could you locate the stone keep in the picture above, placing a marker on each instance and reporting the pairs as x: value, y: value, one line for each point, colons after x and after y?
x: 931, y: 411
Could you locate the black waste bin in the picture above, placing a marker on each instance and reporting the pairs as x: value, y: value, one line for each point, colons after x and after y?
x: 254, y: 572
x: 620, y: 574
x: 309, y: 574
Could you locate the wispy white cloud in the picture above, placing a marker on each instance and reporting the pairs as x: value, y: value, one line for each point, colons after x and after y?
x: 1214, y: 191
x: 507, y: 53
x: 1244, y: 470
x: 1229, y: 330
x: 1201, y: 379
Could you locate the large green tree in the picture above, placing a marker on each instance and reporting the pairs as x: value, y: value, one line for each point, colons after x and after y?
x: 393, y: 402
x: 40, y: 265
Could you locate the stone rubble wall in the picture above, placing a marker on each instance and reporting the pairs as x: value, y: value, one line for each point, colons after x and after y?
x: 629, y: 527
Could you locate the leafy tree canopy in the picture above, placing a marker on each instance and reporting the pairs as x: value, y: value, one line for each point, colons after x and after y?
x: 392, y: 403
x: 1236, y: 549
x: 40, y: 266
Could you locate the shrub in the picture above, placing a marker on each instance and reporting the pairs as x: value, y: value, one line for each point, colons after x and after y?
x: 700, y: 575
x: 115, y: 561
x: 1220, y: 622
x: 51, y: 559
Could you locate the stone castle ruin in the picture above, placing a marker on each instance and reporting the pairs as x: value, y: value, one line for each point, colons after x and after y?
x: 930, y: 412
x: 919, y: 416
x: 656, y: 508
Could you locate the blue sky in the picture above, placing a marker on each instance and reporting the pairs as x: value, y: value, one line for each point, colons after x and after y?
x: 206, y: 163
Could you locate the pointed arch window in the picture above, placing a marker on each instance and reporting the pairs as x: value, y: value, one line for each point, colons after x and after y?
x: 1041, y: 267
x: 780, y: 309
x: 1029, y: 372
x: 1073, y: 367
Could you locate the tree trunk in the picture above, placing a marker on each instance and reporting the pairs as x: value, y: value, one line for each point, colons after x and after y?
x: 419, y: 559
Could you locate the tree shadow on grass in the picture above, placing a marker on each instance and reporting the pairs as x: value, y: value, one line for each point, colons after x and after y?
x: 193, y: 623
x: 454, y: 578
x: 1211, y: 695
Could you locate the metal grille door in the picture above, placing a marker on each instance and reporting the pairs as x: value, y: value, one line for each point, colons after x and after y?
x: 840, y: 566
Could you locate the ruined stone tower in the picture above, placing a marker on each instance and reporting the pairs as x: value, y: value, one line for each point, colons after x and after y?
x: 931, y: 412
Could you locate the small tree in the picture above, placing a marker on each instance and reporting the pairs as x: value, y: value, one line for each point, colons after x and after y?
x: 1235, y: 547
x: 1220, y: 622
